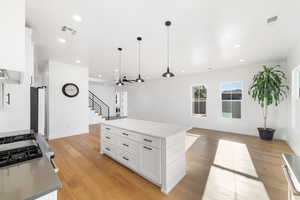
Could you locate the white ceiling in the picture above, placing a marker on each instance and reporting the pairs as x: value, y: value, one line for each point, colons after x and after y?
x: 203, y: 34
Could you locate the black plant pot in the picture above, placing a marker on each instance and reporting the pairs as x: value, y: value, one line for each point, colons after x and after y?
x: 266, y: 134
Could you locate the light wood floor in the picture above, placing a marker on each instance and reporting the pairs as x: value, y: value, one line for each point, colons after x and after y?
x: 220, y: 166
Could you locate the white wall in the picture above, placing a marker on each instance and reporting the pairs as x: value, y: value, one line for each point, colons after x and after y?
x: 169, y: 100
x: 293, y: 63
x: 67, y: 116
x: 105, y: 93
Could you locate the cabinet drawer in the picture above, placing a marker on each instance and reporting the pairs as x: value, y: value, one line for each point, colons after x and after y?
x: 109, y: 129
x: 128, y: 145
x: 129, y: 135
x: 109, y: 138
x: 128, y: 159
x: 151, y: 141
x: 109, y: 149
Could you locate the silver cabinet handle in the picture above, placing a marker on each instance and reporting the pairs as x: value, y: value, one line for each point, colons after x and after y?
x: 147, y: 140
x: 148, y: 148
x: 108, y: 149
x: 125, y: 134
x: 126, y: 145
x: 107, y: 137
x: 107, y: 128
x: 8, y: 98
x: 125, y: 158
x: 56, y: 169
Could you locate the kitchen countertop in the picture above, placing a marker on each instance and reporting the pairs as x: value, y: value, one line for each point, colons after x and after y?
x: 28, y: 180
x: 293, y: 165
x: 156, y: 129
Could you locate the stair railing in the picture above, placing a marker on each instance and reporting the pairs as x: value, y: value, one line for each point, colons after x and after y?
x: 98, y: 105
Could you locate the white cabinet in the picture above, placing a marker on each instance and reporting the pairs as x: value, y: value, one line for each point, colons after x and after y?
x: 12, y: 35
x: 161, y: 160
x: 151, y: 163
x: 17, y: 96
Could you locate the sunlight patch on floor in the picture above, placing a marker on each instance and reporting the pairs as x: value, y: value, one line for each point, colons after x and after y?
x: 224, y: 184
x: 190, y: 139
x: 235, y: 156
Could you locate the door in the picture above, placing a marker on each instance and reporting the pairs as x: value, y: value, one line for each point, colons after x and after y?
x: 151, y: 163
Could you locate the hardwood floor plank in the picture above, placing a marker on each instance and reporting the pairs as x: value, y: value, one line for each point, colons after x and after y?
x: 88, y: 175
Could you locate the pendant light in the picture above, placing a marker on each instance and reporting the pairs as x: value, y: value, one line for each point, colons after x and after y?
x: 120, y: 82
x: 168, y: 73
x: 139, y: 79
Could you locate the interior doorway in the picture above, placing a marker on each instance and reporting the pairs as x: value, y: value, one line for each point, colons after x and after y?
x: 121, y: 103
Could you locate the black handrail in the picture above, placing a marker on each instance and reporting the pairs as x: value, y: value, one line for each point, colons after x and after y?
x: 97, y: 98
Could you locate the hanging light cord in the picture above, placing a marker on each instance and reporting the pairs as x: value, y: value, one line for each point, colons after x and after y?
x: 139, y: 55
x: 120, y: 63
x: 168, y: 46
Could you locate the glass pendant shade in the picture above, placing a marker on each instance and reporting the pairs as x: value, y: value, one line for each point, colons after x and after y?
x: 168, y: 74
x: 139, y: 79
x: 119, y: 83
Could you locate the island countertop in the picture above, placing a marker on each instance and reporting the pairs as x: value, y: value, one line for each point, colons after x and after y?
x: 156, y: 129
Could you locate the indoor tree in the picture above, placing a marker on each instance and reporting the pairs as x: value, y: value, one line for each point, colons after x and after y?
x: 268, y: 87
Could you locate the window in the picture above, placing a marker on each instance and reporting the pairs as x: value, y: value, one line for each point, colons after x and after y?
x: 199, y: 97
x: 231, y: 99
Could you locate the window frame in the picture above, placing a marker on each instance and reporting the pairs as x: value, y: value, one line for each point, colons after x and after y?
x: 191, y: 101
x: 221, y: 101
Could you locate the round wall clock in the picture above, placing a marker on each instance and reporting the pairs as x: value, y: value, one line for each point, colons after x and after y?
x: 70, y: 90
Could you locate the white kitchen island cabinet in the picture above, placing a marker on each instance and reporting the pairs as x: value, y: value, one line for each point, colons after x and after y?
x: 154, y: 150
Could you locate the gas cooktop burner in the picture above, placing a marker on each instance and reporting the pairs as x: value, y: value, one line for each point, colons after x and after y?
x: 17, y: 138
x: 21, y: 154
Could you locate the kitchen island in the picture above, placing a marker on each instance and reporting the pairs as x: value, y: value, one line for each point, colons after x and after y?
x: 154, y: 150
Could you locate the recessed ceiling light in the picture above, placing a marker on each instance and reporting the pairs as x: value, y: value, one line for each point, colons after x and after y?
x: 116, y: 70
x: 99, y: 75
x: 237, y: 46
x: 78, y: 61
x: 182, y: 71
x: 62, y: 40
x: 242, y: 60
x: 77, y: 18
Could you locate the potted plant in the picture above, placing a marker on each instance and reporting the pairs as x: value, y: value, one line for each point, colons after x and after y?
x: 268, y: 88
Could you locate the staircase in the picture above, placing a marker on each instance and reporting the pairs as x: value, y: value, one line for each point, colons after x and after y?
x: 99, y: 108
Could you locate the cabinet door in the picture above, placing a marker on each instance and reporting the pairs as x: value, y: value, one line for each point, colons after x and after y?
x: 12, y: 35
x: 151, y: 163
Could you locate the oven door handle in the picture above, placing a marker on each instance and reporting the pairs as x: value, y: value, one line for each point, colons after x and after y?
x: 56, y: 169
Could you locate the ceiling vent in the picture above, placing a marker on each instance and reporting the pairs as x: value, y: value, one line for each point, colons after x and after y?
x: 272, y: 20
x: 68, y: 30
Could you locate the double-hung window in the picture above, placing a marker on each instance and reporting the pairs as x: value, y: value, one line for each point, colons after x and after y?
x: 231, y: 94
x: 199, y: 97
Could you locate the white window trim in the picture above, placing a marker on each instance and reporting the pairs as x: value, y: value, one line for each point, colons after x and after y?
x: 191, y: 101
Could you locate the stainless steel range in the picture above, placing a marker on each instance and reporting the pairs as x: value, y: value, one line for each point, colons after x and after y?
x: 16, y: 147
x: 27, y: 168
